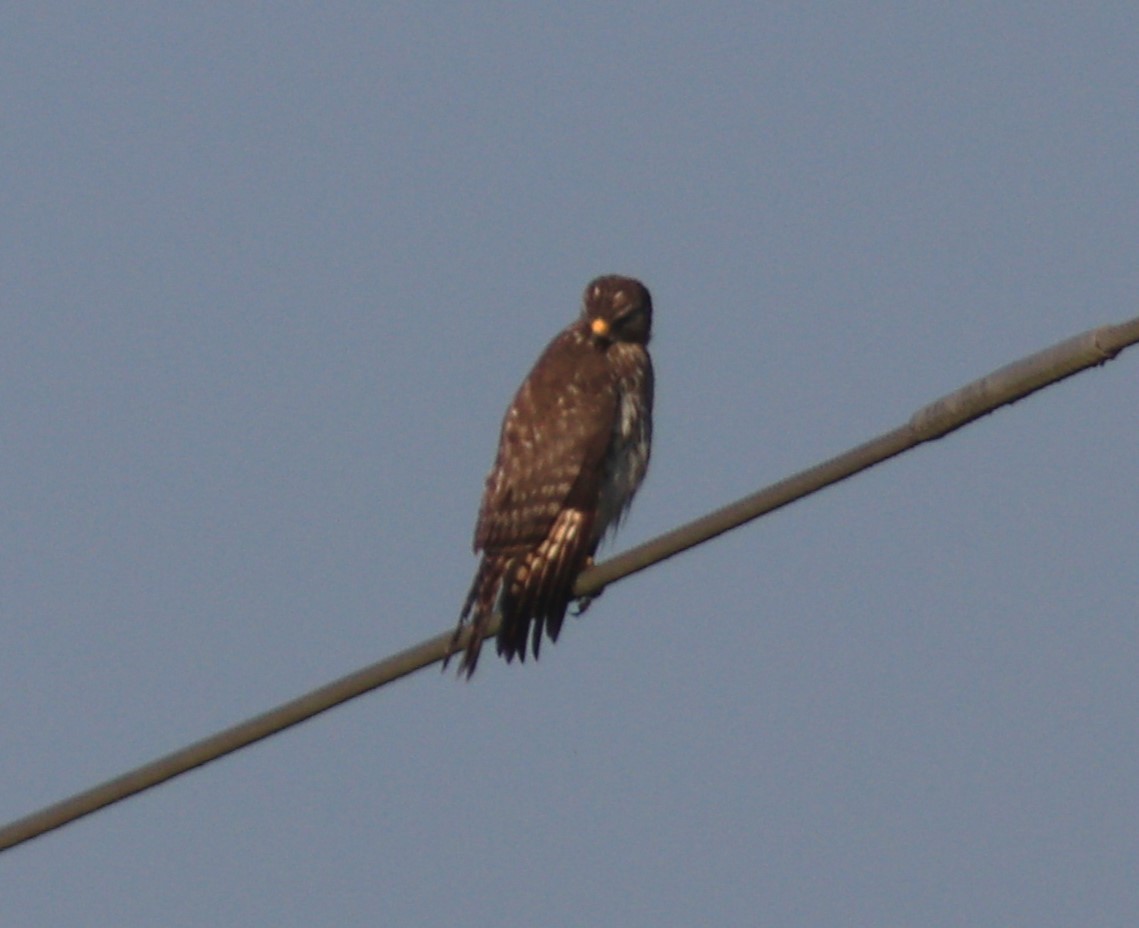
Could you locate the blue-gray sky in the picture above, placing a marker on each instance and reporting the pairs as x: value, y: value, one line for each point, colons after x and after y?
x: 269, y: 275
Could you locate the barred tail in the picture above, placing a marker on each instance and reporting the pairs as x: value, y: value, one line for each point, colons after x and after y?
x: 539, y: 585
x: 479, y: 607
x: 530, y: 591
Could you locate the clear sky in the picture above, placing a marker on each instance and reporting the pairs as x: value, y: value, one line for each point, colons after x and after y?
x: 269, y: 274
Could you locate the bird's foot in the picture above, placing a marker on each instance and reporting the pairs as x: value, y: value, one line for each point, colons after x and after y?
x: 584, y: 602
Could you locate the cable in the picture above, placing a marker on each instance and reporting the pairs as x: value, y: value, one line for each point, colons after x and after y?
x: 947, y: 414
x: 974, y: 400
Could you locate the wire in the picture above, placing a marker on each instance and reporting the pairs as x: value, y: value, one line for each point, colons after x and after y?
x: 947, y: 414
x: 974, y: 400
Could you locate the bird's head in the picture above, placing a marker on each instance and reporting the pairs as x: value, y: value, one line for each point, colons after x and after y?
x: 618, y: 309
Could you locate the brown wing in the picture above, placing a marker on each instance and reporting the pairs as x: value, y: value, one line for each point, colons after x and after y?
x: 536, y: 521
x: 551, y: 448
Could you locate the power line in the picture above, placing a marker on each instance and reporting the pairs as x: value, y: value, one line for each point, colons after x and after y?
x: 985, y: 395
x: 979, y: 398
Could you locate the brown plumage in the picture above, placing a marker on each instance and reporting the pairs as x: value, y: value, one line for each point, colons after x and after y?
x: 573, y: 450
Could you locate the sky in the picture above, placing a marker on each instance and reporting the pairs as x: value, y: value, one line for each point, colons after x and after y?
x: 269, y: 276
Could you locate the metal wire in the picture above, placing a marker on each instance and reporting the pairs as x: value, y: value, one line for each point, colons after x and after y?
x: 939, y: 418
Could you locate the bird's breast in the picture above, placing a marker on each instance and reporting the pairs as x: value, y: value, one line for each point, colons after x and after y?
x: 627, y: 458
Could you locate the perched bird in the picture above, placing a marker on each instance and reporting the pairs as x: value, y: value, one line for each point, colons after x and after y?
x: 573, y: 450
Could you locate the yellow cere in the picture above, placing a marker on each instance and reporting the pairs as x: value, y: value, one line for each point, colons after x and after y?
x: 600, y: 327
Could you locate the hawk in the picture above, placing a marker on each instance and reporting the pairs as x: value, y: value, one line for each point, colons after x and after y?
x: 573, y: 449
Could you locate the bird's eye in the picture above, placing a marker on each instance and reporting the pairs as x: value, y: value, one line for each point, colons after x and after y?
x: 625, y: 315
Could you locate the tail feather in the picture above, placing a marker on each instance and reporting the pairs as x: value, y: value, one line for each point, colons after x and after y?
x: 479, y: 607
x: 530, y: 591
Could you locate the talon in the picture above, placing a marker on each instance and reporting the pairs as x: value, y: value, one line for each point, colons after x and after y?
x: 583, y: 602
